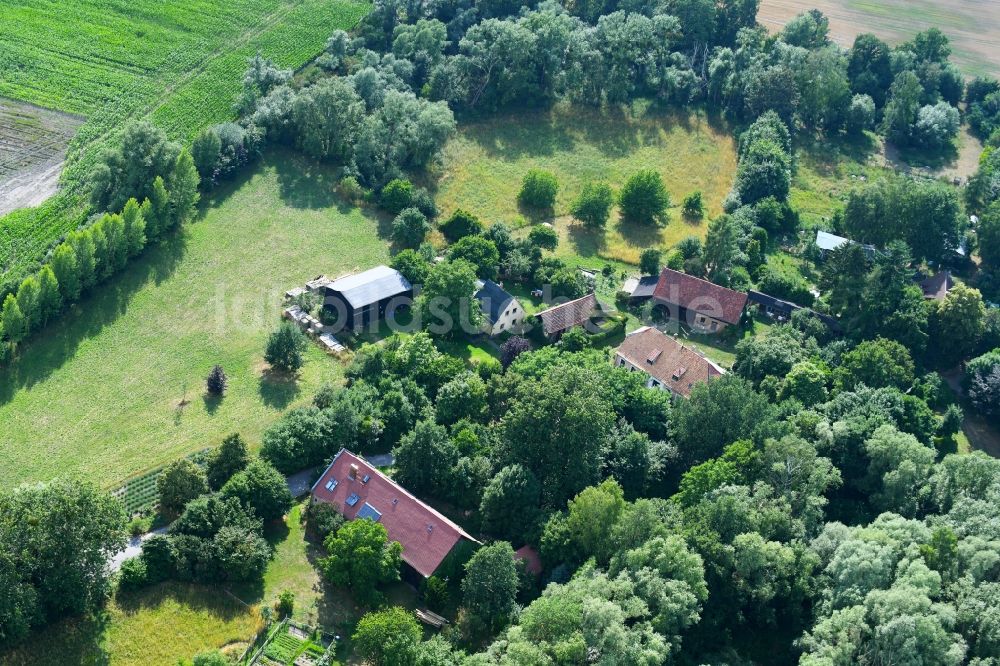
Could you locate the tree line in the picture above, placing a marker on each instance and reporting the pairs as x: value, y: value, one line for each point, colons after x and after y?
x: 167, y: 186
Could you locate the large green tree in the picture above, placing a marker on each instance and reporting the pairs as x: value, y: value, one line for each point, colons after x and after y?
x: 361, y: 557
x: 489, y: 589
x: 55, y: 542
x: 557, y: 427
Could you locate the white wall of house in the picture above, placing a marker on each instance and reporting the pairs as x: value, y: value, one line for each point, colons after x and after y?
x: 511, y: 319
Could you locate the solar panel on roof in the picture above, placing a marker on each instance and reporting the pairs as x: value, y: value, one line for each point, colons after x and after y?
x: 353, y: 499
x: 370, y: 512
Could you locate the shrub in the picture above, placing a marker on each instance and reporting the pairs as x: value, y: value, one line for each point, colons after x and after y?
x: 285, y: 346
x: 410, y: 227
x: 649, y: 261
x: 436, y: 594
x: 644, y: 198
x: 396, y: 195
x: 216, y: 381
x: 424, y: 202
x: 132, y: 574
x: 538, y: 190
x: 544, y: 237
x: 350, y: 189
x: 262, y: 488
x: 593, y: 206
x: 513, y: 347
x: 461, y: 223
x: 286, y: 603
x: 693, y: 206
x: 228, y: 459
x: 323, y: 519
x: 178, y: 484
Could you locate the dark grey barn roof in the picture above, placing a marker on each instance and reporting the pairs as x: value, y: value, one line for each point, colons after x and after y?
x: 646, y: 286
x: 374, y: 285
x: 493, y: 299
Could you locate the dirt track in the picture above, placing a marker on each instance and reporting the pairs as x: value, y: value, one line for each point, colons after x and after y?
x: 32, y: 149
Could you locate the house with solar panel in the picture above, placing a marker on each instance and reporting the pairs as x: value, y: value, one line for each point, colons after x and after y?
x: 362, y: 298
x: 359, y: 491
x: 502, y: 313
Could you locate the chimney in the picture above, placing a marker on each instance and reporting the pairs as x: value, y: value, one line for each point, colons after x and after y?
x: 352, y: 473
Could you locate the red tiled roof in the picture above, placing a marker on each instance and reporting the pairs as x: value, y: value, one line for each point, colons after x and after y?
x: 566, y: 316
x: 532, y: 561
x: 668, y: 361
x: 695, y: 294
x: 426, y: 535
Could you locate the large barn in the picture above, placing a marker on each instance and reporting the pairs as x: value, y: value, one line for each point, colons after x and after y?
x: 362, y: 298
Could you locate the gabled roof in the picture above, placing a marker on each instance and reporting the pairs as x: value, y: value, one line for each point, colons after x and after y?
x: 492, y: 298
x: 695, y: 294
x: 828, y: 241
x: 371, y: 286
x: 937, y: 286
x: 566, y: 316
x: 425, y: 534
x: 666, y: 360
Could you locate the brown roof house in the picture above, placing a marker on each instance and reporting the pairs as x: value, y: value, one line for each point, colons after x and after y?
x: 702, y: 305
x: 670, y: 365
x: 560, y: 318
x: 358, y: 490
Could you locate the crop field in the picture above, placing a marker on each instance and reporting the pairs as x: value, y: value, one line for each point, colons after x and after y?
x: 117, y: 386
x: 483, y: 167
x: 180, y: 63
x: 973, y: 26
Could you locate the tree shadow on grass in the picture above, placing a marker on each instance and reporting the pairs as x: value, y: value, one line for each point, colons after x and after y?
x: 212, y: 402
x: 304, y: 182
x: 529, y: 134
x: 640, y: 235
x: 277, y: 388
x: 587, y: 242
x: 77, y: 640
x: 49, y: 349
x: 203, y: 598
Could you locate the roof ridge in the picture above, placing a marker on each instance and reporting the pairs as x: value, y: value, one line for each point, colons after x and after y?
x: 406, y: 492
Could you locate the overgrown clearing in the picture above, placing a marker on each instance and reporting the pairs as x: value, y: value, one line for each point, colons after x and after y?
x: 484, y: 165
x: 112, y: 60
x: 972, y: 26
x: 107, y: 381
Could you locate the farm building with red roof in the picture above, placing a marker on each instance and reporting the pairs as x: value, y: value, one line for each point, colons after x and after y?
x: 702, y: 305
x: 358, y: 490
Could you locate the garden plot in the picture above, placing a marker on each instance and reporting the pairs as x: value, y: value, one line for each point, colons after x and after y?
x: 33, y: 144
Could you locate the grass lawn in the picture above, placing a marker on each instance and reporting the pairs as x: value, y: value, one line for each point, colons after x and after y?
x: 99, y: 393
x: 484, y: 164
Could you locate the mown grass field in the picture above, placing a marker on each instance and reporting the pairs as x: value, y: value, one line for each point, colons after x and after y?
x: 180, y: 63
x: 483, y: 167
x: 99, y: 393
x: 973, y: 26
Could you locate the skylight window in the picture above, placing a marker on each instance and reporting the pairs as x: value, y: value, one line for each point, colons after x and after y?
x: 352, y: 499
